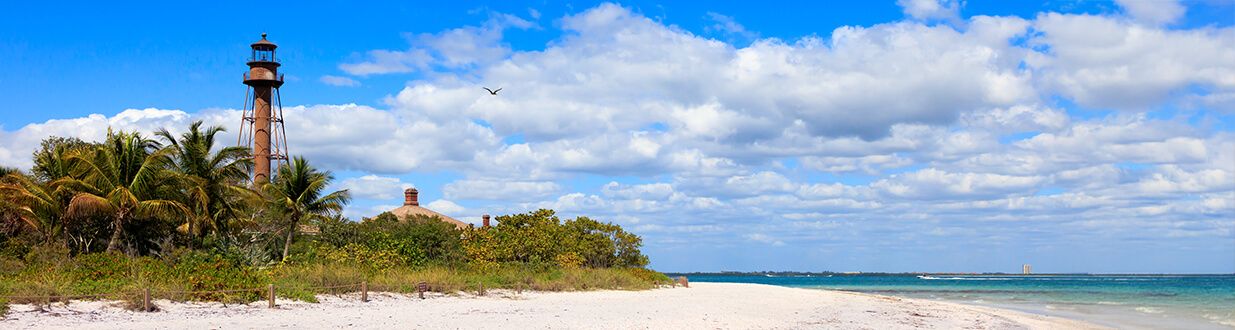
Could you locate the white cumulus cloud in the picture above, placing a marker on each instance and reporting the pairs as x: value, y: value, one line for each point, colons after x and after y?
x: 375, y: 187
x: 931, y: 9
x: 339, y: 81
x: 1153, y: 11
x: 500, y: 190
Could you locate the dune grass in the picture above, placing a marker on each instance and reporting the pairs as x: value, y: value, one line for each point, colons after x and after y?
x: 302, y: 281
x: 198, y: 276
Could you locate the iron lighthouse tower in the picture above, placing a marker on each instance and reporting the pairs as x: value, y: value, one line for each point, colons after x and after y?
x: 261, y: 128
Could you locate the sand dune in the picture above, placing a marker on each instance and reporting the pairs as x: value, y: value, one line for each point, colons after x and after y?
x: 704, y: 305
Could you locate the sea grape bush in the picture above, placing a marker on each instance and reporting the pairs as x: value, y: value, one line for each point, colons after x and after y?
x: 541, y: 237
x: 537, y: 237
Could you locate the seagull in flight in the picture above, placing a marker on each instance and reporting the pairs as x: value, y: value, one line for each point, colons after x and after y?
x: 492, y: 91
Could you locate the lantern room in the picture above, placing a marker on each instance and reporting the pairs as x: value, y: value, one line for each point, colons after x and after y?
x: 263, y: 50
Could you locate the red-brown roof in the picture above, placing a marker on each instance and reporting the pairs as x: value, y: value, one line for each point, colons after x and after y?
x: 414, y: 210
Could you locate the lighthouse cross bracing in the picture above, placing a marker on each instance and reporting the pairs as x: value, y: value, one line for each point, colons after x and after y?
x: 261, y: 125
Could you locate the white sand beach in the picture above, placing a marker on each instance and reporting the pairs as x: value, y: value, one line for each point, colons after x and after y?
x: 703, y: 305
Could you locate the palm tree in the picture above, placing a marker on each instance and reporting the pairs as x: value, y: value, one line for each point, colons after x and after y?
x: 51, y: 161
x: 37, y: 199
x: 39, y: 206
x: 125, y: 178
x: 296, y: 192
x: 217, y: 188
x: 12, y: 216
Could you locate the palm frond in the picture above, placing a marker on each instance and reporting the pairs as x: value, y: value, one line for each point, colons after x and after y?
x: 92, y: 168
x: 333, y: 202
x: 143, y: 180
x: 161, y: 209
x: 167, y: 136
x: 84, y: 205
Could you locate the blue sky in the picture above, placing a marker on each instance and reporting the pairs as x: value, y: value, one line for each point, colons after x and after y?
x: 912, y: 135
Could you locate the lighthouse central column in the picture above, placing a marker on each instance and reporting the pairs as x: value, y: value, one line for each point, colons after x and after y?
x: 261, y: 133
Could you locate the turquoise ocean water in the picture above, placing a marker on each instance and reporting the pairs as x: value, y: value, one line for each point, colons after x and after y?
x: 1121, y: 301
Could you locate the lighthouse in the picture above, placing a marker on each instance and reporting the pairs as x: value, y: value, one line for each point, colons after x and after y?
x: 261, y: 127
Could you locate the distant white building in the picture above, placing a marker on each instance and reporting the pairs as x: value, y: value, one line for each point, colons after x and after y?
x: 1026, y: 269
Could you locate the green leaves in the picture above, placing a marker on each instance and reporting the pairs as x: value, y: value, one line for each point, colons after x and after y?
x: 417, y: 241
x: 51, y: 160
x: 37, y: 205
x: 540, y: 237
x: 214, y: 183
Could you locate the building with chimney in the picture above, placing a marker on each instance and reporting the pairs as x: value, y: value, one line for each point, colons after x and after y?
x: 411, y: 207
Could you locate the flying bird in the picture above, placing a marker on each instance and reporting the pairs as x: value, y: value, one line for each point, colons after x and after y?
x: 492, y: 91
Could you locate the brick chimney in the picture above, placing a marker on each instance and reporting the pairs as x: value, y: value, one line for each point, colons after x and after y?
x: 485, y: 220
x: 411, y: 197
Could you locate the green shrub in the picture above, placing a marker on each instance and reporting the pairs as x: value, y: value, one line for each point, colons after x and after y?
x: 358, y: 255
x: 202, y: 271
x: 102, y: 273
x: 13, y: 249
x: 541, y: 237
x: 568, y: 260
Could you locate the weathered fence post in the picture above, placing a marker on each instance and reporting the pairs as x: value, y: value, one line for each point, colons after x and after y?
x: 480, y: 288
x: 421, y: 288
x: 270, y: 296
x: 146, y: 300
x: 364, y: 291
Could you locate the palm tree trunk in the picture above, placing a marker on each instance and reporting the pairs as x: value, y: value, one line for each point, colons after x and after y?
x: 288, y: 243
x: 64, y: 236
x: 114, y: 244
x: 290, y: 231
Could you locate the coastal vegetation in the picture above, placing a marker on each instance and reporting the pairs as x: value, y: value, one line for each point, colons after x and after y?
x: 177, y: 215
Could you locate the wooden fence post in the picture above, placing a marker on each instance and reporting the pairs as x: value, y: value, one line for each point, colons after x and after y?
x: 364, y: 291
x: 420, y: 288
x: 480, y: 288
x: 146, y: 300
x: 270, y: 296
